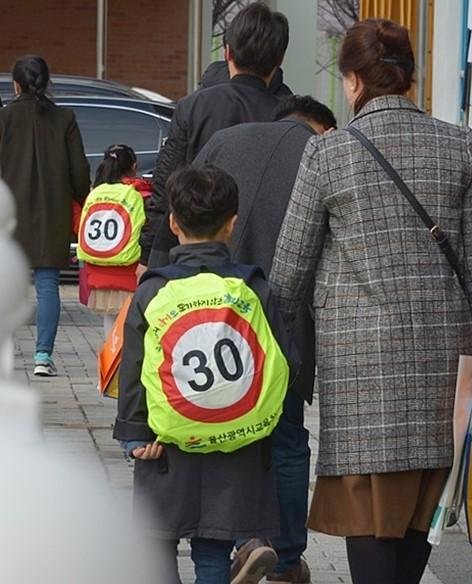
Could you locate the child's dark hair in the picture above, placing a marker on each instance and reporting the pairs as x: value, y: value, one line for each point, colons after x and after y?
x: 118, y: 162
x: 31, y: 72
x: 306, y: 107
x: 202, y: 200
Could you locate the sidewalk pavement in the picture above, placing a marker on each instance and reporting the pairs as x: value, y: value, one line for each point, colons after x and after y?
x: 77, y: 420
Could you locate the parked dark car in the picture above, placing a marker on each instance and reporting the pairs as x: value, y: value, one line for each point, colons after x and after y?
x: 74, y: 85
x: 141, y: 124
x: 109, y: 113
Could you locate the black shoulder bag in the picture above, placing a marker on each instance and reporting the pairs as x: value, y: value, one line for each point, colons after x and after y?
x: 438, y: 234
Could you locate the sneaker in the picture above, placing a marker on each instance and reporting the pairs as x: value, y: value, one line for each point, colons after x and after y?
x: 297, y: 574
x: 253, y: 560
x: 44, y: 365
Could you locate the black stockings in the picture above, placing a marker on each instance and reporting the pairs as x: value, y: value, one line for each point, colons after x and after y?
x: 388, y: 561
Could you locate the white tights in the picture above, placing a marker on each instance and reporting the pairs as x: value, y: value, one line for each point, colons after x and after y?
x: 108, y: 322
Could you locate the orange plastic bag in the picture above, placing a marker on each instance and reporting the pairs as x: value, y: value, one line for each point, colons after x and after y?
x: 109, y: 357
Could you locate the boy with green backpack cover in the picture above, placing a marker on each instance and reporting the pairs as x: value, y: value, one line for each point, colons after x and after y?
x: 206, y: 365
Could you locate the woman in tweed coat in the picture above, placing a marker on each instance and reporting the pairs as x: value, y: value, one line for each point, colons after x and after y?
x: 391, y: 317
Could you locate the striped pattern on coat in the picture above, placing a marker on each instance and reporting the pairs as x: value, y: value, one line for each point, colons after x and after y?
x: 390, y: 316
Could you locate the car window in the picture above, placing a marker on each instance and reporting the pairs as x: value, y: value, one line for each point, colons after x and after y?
x: 6, y: 90
x: 102, y: 126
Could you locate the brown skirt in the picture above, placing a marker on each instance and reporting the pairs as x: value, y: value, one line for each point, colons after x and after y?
x: 383, y: 505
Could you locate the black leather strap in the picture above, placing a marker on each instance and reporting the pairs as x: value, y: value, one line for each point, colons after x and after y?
x: 437, y: 233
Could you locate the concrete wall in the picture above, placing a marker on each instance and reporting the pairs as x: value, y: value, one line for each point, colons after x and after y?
x: 446, y: 94
x: 299, y: 63
x: 310, y: 50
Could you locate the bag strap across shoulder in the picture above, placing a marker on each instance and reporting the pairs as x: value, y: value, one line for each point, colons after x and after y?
x: 437, y: 233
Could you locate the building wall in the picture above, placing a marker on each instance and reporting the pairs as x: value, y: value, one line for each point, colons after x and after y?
x: 61, y: 32
x: 148, y: 44
x: 147, y: 41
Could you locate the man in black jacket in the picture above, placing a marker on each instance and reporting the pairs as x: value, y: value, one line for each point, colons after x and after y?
x: 217, y: 72
x: 255, y: 44
x: 264, y: 158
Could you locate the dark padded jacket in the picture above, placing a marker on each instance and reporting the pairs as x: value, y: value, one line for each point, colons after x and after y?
x: 244, y: 98
x: 217, y: 72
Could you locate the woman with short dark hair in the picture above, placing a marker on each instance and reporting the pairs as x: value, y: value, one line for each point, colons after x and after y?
x: 42, y: 160
x: 392, y: 312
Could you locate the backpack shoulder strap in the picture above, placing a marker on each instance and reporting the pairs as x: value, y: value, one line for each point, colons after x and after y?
x: 175, y: 272
x: 170, y: 272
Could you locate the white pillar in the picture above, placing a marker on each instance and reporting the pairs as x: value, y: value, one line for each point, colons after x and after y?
x: 199, y: 43
x: 7, y: 225
x: 448, y: 29
x: 207, y: 32
x: 102, y: 10
x: 60, y: 521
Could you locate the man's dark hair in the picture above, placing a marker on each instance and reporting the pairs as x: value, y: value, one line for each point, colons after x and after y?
x: 307, y: 107
x: 202, y: 199
x: 258, y: 39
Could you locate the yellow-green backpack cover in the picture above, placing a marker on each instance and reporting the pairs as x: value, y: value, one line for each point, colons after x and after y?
x: 214, y: 373
x: 110, y: 225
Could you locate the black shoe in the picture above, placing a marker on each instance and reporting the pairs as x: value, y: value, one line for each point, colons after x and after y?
x: 297, y: 574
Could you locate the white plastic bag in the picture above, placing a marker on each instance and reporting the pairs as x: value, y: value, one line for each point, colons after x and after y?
x: 450, y: 503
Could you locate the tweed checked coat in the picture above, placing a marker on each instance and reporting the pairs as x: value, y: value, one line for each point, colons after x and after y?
x: 391, y: 318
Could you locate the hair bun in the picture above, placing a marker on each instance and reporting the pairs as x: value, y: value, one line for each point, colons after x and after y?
x: 392, y: 36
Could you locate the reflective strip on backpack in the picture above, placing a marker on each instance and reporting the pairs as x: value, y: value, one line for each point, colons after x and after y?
x: 214, y: 374
x: 110, y: 225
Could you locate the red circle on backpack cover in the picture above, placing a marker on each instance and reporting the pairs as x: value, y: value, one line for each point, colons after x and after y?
x: 175, y: 397
x: 124, y: 239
